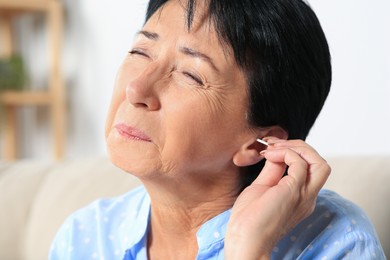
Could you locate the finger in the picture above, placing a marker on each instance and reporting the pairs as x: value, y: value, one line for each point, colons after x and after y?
x: 282, y: 142
x: 302, y: 148
x: 271, y: 173
x: 298, y: 167
x: 307, y: 152
x: 318, y: 178
x: 318, y: 170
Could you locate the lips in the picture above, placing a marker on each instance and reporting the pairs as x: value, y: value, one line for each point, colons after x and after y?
x: 131, y: 133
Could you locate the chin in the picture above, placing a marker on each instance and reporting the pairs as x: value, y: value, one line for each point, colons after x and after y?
x: 132, y: 162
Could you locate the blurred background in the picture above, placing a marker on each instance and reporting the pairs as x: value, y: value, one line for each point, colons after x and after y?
x: 98, y: 34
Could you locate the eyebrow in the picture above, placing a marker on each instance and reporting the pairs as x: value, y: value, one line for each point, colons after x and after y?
x: 185, y: 50
x: 150, y: 35
x: 197, y: 54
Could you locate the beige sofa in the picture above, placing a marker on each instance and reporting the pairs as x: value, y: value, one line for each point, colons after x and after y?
x: 35, y: 197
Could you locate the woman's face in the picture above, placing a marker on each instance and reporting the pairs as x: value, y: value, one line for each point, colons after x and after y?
x: 179, y: 102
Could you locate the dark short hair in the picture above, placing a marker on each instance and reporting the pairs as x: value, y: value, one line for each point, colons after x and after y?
x: 283, y: 51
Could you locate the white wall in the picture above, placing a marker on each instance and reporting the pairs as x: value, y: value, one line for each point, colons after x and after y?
x: 355, y: 119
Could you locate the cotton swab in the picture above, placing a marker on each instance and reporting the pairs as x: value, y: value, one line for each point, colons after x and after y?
x: 262, y: 141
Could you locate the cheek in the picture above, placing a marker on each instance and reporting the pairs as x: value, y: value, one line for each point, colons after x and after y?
x: 196, y: 131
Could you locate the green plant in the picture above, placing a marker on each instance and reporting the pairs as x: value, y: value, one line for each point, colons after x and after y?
x: 12, y: 73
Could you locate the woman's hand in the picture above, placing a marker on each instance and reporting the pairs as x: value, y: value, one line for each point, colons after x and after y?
x: 271, y: 206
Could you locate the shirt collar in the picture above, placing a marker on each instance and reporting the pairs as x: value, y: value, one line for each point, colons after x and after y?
x: 213, y: 231
x: 137, y: 224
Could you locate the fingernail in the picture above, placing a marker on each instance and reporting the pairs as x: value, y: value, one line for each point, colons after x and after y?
x: 263, y: 152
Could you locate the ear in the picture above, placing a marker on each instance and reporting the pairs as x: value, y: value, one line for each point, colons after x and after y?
x: 249, y: 152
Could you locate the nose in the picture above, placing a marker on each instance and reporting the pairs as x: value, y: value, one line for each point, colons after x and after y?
x: 141, y: 92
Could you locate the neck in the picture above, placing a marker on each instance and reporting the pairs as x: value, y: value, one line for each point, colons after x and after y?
x: 179, y: 207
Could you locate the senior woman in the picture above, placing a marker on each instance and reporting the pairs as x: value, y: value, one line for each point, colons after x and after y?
x: 203, y: 81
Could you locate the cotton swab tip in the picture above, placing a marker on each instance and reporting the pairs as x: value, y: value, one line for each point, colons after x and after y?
x: 262, y: 141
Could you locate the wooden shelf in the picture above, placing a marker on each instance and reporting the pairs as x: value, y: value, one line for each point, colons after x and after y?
x: 24, y: 5
x: 54, y: 96
x: 22, y: 98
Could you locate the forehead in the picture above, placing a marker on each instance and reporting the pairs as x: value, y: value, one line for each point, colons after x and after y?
x: 171, y: 20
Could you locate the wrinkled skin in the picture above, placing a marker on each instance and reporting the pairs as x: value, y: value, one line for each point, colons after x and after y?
x: 178, y: 122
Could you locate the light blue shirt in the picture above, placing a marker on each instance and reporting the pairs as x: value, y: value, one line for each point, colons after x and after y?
x: 117, y: 228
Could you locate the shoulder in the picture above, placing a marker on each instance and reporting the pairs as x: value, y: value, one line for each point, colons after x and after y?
x: 113, y: 207
x: 95, y: 226
x: 337, y: 228
x: 340, y: 211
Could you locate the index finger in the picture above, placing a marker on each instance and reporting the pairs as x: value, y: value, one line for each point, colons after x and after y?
x: 318, y: 168
x: 298, y: 167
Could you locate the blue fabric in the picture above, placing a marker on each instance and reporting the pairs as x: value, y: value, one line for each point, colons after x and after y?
x: 117, y: 229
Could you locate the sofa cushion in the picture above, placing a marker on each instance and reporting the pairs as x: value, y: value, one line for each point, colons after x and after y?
x: 70, y: 186
x: 19, y: 184
x: 365, y: 181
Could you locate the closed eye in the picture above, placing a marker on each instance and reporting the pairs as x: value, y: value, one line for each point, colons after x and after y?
x: 196, y: 79
x: 138, y: 52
